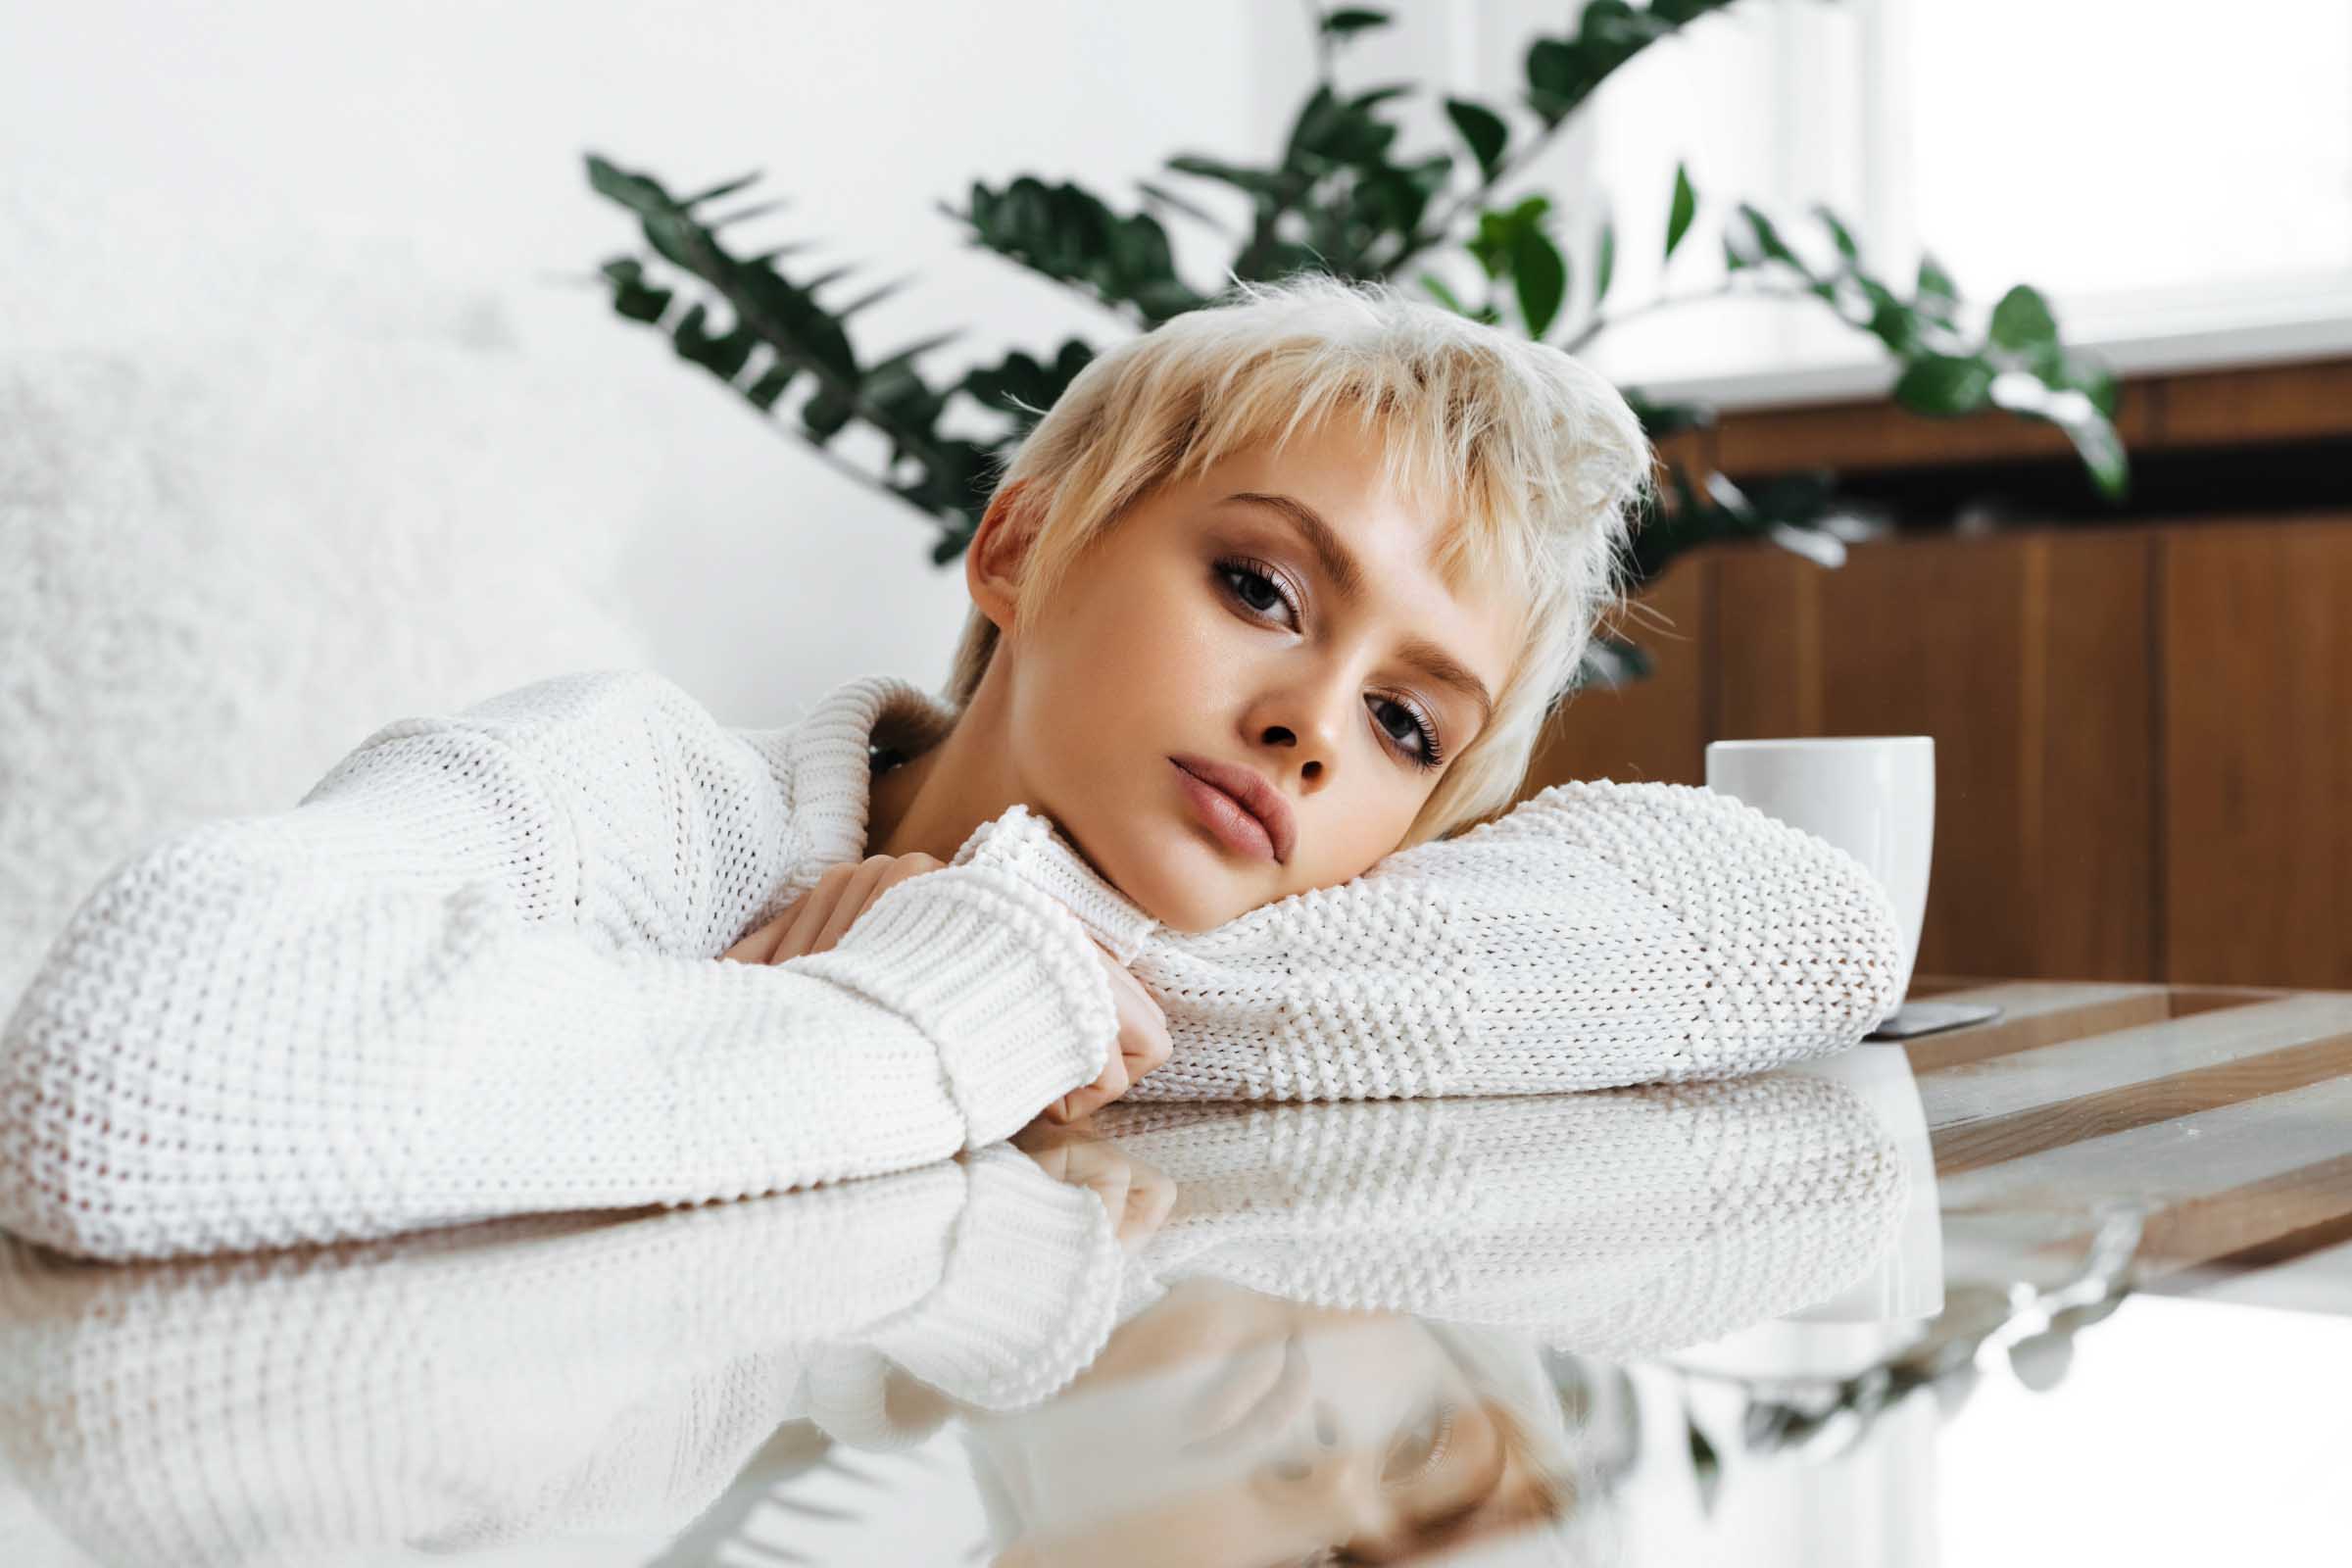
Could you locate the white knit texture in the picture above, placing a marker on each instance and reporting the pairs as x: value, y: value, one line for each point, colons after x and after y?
x: 474, y: 974
x: 1618, y: 1224
x: 1597, y: 935
x: 539, y: 1378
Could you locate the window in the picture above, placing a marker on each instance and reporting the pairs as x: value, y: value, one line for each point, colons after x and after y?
x: 2176, y: 178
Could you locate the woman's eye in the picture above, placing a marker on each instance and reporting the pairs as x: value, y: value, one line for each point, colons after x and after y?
x: 1410, y: 727
x: 1254, y: 588
x: 1418, y: 1450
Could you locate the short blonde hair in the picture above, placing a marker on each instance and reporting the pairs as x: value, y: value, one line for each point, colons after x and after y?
x: 1533, y: 461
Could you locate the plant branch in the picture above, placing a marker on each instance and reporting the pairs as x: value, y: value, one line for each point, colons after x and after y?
x: 1601, y: 323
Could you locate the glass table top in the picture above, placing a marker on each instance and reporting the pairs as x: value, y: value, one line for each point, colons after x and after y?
x: 2072, y: 1283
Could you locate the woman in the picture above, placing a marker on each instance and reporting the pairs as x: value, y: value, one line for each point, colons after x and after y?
x: 1273, y: 600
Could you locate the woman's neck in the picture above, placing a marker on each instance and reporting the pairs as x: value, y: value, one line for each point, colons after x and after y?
x: 934, y: 799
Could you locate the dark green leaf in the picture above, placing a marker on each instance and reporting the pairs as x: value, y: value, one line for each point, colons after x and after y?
x: 1703, y: 1458
x: 871, y: 297
x: 724, y: 354
x: 1934, y: 295
x: 639, y: 303
x: 756, y: 210
x: 1662, y: 420
x: 1258, y: 183
x: 1767, y: 241
x: 2023, y: 321
x: 1563, y: 72
x: 724, y: 188
x: 1604, y: 262
x: 1897, y: 326
x: 2085, y: 422
x: 2093, y: 382
x: 1438, y: 291
x: 882, y: 380
x: 631, y: 297
x: 769, y: 386
x: 1840, y: 235
x: 1483, y: 129
x: 637, y: 192
x: 824, y: 414
x: 1191, y: 209
x: 1684, y: 209
x: 1945, y: 384
x: 678, y: 238
x: 1540, y: 273
x: 1349, y: 20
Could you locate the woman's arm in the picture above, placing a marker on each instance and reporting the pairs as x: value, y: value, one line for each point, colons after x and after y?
x: 1623, y: 1223
x: 470, y: 976
x: 536, y: 1377
x: 1596, y: 936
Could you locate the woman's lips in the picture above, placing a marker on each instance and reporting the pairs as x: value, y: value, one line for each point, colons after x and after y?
x: 1240, y: 832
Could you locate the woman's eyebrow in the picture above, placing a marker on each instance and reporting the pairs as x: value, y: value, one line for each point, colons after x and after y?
x: 1346, y: 575
x: 1442, y: 666
x: 1331, y: 552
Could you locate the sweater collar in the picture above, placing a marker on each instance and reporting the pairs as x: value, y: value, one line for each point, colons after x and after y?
x: 824, y: 763
x: 826, y: 768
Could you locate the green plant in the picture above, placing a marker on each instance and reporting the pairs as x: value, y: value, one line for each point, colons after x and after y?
x: 1340, y: 197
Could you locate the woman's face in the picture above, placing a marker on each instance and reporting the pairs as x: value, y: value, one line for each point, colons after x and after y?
x: 1208, y: 625
x: 1221, y: 1426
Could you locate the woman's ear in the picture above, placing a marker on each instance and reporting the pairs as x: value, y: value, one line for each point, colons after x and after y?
x: 994, y: 562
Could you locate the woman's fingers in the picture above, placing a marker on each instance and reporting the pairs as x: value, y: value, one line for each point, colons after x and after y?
x: 1101, y: 1092
x: 877, y: 875
x: 901, y: 868
x: 851, y: 902
x: 818, y: 918
x: 1138, y: 1196
x: 818, y: 909
x: 1147, y: 1045
x: 759, y: 945
x: 1143, y: 1045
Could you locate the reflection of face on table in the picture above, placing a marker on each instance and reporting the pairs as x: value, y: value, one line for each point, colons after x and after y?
x: 1222, y: 1426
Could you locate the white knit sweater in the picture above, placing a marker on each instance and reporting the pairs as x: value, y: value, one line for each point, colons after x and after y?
x: 543, y: 1377
x: 474, y: 974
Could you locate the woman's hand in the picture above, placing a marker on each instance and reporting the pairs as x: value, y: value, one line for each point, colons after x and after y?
x: 815, y: 920
x: 1137, y: 1195
x: 1143, y: 1045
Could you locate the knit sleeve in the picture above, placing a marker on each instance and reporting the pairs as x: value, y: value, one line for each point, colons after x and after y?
x: 1597, y: 935
x: 578, y: 1375
x: 436, y: 990
x: 1628, y: 1222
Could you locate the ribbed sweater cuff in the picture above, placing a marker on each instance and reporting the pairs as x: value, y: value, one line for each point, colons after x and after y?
x: 1029, y: 1294
x: 1028, y: 847
x: 1005, y: 984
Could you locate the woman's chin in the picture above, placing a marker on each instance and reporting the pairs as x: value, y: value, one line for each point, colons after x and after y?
x: 1186, y: 885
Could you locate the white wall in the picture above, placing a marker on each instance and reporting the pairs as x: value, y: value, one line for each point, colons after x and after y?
x: 314, y: 414
x: 412, y: 173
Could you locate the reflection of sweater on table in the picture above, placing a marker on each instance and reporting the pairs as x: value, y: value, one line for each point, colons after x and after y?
x: 472, y: 974
x: 538, y: 1376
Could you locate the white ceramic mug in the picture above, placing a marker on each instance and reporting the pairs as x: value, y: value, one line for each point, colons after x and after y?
x: 1873, y: 796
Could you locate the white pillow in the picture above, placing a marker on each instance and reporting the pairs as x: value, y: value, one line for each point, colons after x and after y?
x: 224, y: 563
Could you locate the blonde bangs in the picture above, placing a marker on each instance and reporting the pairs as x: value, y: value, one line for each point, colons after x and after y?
x: 1533, y: 462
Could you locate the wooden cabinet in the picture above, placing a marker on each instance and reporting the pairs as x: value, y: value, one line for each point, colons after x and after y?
x: 2143, y: 754
x: 2256, y: 624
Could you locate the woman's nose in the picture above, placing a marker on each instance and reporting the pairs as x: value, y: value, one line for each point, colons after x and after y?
x: 1337, y: 1480
x: 1310, y: 732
